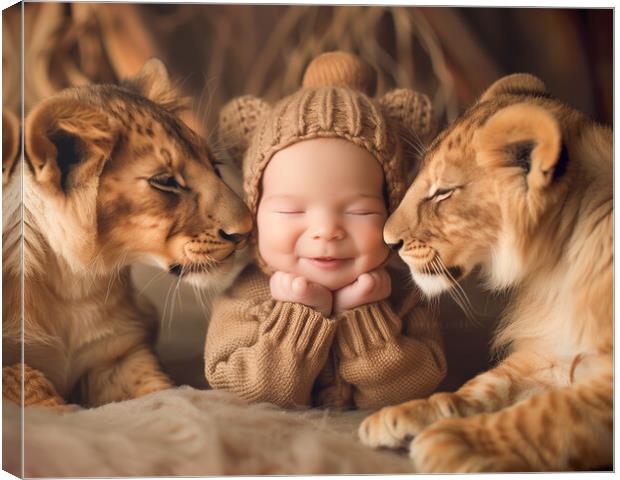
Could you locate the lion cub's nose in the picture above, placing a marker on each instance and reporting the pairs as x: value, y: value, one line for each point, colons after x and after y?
x: 235, y: 238
x: 396, y: 246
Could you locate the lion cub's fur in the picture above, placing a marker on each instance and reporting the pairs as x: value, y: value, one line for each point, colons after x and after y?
x: 520, y: 186
x: 111, y: 177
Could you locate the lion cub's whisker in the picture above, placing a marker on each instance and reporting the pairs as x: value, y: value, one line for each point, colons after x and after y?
x: 456, y: 284
x: 456, y: 292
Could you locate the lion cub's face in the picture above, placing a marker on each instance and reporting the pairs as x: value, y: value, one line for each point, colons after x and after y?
x: 160, y: 197
x: 482, y: 190
x: 124, y: 180
x: 448, y: 219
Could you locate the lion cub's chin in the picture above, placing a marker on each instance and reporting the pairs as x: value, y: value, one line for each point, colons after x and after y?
x: 431, y: 285
x: 220, y: 278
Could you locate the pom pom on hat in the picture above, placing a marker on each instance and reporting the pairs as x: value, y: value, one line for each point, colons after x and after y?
x: 341, y: 69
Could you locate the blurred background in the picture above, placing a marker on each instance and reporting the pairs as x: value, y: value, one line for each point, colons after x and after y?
x: 217, y: 52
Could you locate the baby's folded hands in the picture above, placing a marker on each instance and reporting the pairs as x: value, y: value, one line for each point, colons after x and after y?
x: 369, y: 287
x: 287, y: 287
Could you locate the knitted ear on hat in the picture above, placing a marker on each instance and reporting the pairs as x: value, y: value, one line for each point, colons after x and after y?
x: 411, y: 110
x: 341, y: 69
x: 236, y: 124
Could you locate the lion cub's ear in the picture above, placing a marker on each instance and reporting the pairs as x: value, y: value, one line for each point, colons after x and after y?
x: 236, y: 124
x: 525, y: 136
x: 153, y: 82
x: 67, y: 142
x: 411, y: 110
x: 515, y: 84
x: 11, y: 138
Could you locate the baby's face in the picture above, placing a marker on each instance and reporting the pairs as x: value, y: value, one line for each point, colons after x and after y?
x: 322, y: 211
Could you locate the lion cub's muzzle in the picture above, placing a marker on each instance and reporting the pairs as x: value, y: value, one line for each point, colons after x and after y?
x: 415, y: 252
x: 239, y: 240
x: 425, y: 259
x: 214, y: 247
x: 208, y: 251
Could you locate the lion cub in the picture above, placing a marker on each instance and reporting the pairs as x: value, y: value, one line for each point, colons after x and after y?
x: 522, y: 187
x: 111, y: 177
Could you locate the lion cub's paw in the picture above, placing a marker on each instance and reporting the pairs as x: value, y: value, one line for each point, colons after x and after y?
x: 461, y: 446
x: 12, y: 383
x: 37, y: 390
x: 395, y: 426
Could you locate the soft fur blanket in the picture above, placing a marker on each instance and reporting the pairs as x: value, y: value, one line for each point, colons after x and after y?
x: 191, y: 432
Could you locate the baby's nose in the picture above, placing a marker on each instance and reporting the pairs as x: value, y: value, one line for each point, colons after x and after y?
x: 328, y: 231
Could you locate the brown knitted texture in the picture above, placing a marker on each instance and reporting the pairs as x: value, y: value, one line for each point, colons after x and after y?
x: 412, y: 110
x: 237, y: 121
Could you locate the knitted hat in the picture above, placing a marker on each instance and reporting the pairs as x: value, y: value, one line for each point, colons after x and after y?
x: 334, y: 102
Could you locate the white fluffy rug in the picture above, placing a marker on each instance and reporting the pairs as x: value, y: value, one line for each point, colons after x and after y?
x: 191, y: 432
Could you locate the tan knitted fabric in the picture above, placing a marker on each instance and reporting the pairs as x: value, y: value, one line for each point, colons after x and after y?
x: 237, y: 121
x: 286, y: 353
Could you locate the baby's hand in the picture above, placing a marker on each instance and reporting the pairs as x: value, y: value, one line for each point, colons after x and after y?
x: 287, y: 287
x: 369, y: 287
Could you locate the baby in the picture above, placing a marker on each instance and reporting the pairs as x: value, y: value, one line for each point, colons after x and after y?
x: 319, y: 318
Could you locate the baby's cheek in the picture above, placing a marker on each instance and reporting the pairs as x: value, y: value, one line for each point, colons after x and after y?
x: 276, y: 245
x: 373, y: 250
x: 377, y: 255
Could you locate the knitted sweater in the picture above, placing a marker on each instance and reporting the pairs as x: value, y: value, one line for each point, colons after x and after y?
x: 289, y: 354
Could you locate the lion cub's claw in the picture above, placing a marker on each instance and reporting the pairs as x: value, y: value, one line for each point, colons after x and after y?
x: 378, y: 430
x: 395, y: 426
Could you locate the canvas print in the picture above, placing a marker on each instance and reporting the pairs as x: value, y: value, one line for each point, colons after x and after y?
x: 301, y: 239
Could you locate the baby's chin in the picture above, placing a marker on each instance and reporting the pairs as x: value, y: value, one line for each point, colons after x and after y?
x: 335, y: 284
x: 332, y: 280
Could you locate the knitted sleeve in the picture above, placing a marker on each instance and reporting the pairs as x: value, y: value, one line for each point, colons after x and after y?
x: 390, y: 355
x: 265, y: 350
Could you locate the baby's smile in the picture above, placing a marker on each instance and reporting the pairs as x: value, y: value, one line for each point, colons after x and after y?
x: 327, y: 263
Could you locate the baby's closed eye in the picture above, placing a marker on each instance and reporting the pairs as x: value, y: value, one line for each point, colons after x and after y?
x: 288, y: 208
x: 363, y: 212
x: 365, y: 207
x: 290, y: 211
